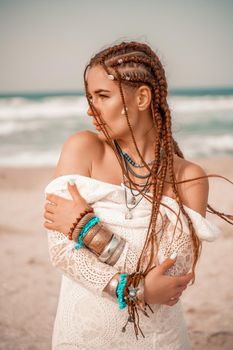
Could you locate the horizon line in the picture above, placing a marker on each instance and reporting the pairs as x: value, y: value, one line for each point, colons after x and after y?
x: 70, y: 92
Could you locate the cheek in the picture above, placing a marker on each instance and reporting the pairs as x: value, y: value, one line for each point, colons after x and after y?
x: 114, y: 106
x: 112, y: 111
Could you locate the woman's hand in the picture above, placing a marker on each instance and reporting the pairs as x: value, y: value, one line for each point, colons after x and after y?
x: 61, y: 212
x: 164, y: 289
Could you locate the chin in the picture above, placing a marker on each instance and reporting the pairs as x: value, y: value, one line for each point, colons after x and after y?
x: 112, y: 135
x: 101, y: 136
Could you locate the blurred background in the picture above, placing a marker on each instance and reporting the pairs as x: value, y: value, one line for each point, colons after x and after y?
x: 45, y: 46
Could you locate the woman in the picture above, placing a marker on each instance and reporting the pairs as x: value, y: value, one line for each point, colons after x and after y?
x: 147, y: 200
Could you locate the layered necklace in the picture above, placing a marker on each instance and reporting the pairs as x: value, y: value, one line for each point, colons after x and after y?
x: 130, y: 165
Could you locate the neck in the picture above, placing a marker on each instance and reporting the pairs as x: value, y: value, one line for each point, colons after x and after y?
x: 145, y: 142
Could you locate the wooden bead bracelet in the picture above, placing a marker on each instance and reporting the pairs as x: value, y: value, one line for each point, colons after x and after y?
x: 81, y: 215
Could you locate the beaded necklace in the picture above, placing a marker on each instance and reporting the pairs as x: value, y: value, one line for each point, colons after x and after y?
x: 130, y: 160
x: 128, y: 163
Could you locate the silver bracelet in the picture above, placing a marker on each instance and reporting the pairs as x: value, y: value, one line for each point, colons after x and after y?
x: 112, y: 287
x: 116, y: 254
x: 110, y: 248
x: 110, y: 290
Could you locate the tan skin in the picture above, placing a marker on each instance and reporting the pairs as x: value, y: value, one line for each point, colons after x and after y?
x: 100, y: 163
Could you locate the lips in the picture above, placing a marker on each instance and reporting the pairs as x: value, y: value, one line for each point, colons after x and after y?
x: 97, y: 124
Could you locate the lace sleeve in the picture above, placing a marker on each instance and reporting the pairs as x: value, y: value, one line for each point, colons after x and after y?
x: 177, y: 238
x: 174, y: 240
x: 80, y: 265
x: 83, y: 266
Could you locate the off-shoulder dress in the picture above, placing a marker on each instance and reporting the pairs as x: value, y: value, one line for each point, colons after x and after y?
x: 86, y: 319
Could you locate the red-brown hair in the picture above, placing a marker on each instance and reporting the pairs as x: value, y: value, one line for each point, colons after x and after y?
x: 133, y: 64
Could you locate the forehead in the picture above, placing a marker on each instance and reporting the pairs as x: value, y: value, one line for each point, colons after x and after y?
x: 97, y: 78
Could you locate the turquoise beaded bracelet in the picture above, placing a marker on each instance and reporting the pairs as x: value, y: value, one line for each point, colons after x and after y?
x: 92, y: 222
x: 120, y: 290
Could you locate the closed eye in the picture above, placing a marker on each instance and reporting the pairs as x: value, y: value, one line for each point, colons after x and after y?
x: 100, y: 95
x: 103, y: 96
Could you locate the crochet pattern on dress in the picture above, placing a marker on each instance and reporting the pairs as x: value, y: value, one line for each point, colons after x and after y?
x: 86, y: 319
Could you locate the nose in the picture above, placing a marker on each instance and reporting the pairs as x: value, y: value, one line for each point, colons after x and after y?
x: 89, y: 112
x: 92, y: 112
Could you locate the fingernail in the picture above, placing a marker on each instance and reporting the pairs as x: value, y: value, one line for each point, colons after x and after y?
x: 173, y: 256
x: 72, y: 182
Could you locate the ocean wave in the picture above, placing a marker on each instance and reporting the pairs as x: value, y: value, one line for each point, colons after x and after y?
x: 201, y: 104
x: 202, y: 145
x: 30, y: 158
x: 192, y: 146
x: 32, y: 128
x: 12, y: 127
x: 76, y: 106
x: 52, y: 107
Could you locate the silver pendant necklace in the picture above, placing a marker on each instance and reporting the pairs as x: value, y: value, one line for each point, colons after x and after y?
x: 128, y: 164
x: 133, y: 200
x: 128, y: 214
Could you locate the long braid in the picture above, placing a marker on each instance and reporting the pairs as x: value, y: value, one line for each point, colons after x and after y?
x: 133, y: 64
x: 195, y: 239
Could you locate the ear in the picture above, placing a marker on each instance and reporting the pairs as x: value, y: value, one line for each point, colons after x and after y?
x: 143, y: 97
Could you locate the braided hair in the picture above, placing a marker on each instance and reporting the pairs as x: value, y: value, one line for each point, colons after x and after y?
x: 133, y: 64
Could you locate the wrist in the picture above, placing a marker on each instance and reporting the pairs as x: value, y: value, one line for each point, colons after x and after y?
x: 86, y: 211
x: 98, y: 239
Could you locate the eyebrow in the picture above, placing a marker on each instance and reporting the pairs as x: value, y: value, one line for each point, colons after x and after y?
x: 100, y: 90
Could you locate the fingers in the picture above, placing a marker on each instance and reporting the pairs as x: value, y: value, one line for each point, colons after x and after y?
x: 73, y: 190
x: 184, y: 280
x: 53, y: 198
x: 49, y: 207
x: 49, y: 225
x: 166, y: 265
x: 174, y: 299
x: 172, y: 302
x: 177, y: 295
x: 181, y: 289
x: 48, y: 216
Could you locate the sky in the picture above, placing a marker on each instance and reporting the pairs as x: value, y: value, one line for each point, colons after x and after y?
x: 45, y: 44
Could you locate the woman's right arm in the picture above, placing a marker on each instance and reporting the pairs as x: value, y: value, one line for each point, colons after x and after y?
x: 84, y: 267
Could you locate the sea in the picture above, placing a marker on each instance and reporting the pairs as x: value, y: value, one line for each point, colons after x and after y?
x: 34, y: 126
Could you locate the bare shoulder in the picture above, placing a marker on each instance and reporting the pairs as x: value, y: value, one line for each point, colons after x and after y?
x: 194, y: 194
x: 78, y: 153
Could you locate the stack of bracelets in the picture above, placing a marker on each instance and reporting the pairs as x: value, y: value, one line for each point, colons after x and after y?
x: 87, y: 231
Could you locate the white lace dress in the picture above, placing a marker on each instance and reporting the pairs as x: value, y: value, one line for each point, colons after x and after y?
x: 86, y: 318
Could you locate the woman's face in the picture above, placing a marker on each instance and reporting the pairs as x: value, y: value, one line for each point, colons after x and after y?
x: 106, y: 99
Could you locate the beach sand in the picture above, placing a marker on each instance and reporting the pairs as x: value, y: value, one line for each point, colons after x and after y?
x: 30, y: 285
